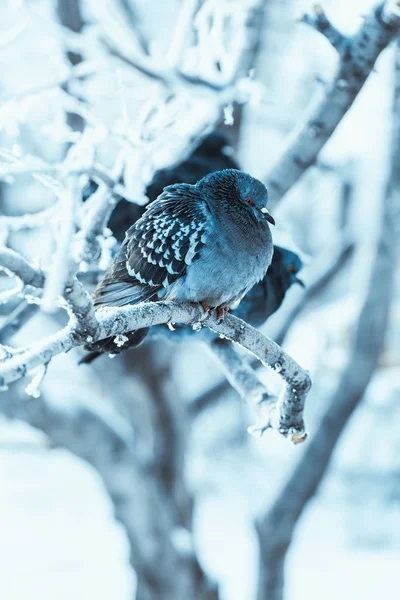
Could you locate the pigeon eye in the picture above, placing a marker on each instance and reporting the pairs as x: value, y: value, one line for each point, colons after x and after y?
x: 292, y: 268
x: 250, y: 201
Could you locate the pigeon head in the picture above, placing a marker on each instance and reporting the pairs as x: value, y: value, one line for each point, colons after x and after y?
x: 232, y: 185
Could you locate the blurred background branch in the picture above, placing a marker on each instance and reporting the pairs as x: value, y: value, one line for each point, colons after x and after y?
x: 357, y: 56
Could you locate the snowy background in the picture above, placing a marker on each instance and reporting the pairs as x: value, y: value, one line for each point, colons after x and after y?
x: 58, y: 535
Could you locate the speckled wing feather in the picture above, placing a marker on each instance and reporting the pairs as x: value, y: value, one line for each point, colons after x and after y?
x: 158, y: 248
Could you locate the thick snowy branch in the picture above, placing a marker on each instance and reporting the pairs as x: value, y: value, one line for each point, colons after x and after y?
x: 317, y: 279
x: 356, y: 60
x: 76, y: 297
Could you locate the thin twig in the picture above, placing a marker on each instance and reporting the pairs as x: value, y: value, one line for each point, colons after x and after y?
x: 60, y: 268
x: 377, y: 31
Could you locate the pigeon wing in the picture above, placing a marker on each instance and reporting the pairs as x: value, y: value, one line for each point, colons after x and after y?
x: 158, y: 248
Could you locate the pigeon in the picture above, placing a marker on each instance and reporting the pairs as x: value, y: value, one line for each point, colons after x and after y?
x: 208, y: 243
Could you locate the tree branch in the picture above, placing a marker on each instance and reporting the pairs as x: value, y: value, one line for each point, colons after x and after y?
x: 287, y: 419
x: 77, y: 299
x: 17, y: 264
x: 356, y: 63
x: 116, y: 321
x: 61, y: 266
x: 82, y: 429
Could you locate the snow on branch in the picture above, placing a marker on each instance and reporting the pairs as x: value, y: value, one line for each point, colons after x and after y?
x: 98, y: 211
x: 202, y: 75
x: 209, y: 59
x: 357, y: 56
x: 316, y: 277
x: 61, y: 266
x: 77, y: 299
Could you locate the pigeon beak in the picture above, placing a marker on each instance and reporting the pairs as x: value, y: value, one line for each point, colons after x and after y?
x: 267, y: 216
x: 300, y: 282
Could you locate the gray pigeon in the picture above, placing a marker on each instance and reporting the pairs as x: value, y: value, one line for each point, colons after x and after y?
x: 207, y: 243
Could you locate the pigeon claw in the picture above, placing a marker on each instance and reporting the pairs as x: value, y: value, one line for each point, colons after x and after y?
x: 205, y: 306
x: 221, y: 310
